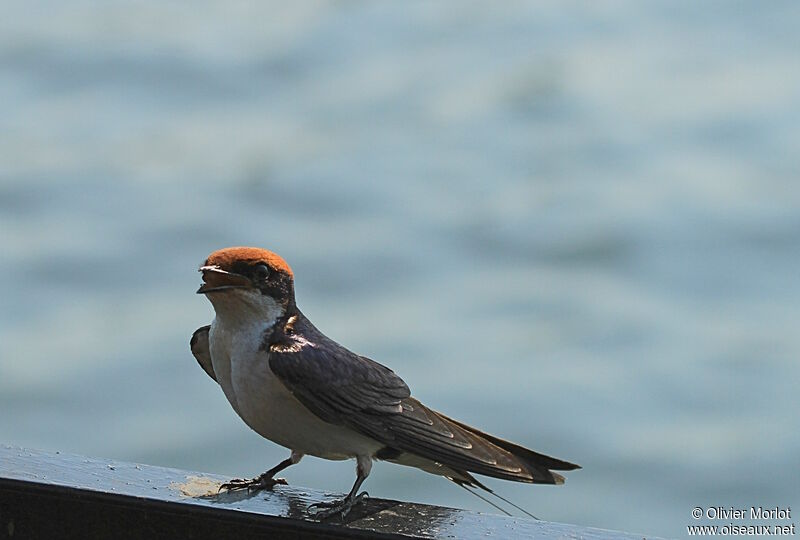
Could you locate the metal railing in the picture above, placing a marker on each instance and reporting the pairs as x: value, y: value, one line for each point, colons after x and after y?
x: 56, y: 495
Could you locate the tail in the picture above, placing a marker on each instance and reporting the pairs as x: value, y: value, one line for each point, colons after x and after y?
x: 469, y: 482
x: 431, y: 441
x: 539, y: 465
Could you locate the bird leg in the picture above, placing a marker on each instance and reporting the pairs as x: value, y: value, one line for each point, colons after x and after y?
x: 264, y: 480
x: 324, y: 510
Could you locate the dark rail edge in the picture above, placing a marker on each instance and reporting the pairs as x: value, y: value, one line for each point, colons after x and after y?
x: 59, y: 495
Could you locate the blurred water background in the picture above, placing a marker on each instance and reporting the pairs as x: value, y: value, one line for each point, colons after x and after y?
x: 575, y: 225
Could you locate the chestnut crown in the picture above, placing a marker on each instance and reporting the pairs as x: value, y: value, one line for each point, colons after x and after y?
x: 249, y: 267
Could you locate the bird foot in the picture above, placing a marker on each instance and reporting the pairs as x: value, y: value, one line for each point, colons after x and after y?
x: 253, y: 484
x: 324, y: 510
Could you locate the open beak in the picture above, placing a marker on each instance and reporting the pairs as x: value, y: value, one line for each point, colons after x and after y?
x: 215, y: 279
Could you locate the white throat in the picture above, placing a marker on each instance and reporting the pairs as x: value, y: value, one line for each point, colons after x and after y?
x: 245, y: 309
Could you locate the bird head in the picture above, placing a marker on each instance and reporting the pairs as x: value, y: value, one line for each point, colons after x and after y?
x: 246, y: 282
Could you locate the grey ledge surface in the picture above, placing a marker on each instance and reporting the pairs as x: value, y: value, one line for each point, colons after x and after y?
x: 71, y: 496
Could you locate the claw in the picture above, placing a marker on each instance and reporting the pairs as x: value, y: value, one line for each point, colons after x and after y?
x: 324, y: 510
x: 253, y: 484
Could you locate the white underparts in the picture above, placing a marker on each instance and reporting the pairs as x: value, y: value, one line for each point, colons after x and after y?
x: 241, y: 365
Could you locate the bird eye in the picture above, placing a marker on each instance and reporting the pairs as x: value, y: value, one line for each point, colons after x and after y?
x: 261, y: 271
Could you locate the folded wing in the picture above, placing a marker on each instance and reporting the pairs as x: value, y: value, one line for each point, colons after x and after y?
x: 199, y: 346
x: 344, y: 388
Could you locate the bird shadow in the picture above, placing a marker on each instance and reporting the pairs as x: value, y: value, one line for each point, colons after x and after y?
x: 362, y: 510
x: 297, y: 506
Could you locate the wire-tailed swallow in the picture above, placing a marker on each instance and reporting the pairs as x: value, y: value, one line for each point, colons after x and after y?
x: 300, y: 389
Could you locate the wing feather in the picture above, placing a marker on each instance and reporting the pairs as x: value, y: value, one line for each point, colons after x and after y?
x: 199, y: 346
x: 344, y: 388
